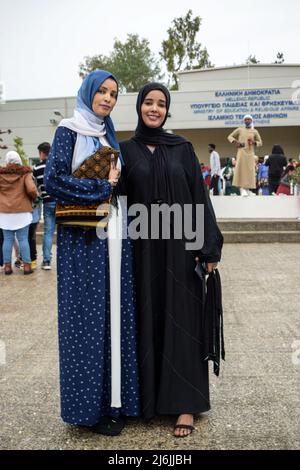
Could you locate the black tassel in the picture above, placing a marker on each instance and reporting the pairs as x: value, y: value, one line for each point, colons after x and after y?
x: 213, y: 321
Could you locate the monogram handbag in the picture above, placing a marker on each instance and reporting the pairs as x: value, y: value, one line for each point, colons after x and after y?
x: 97, y: 166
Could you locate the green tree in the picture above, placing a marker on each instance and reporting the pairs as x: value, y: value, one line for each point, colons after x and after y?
x: 181, y: 51
x: 280, y: 58
x: 132, y: 62
x: 252, y: 60
x: 18, y: 142
x: 93, y: 63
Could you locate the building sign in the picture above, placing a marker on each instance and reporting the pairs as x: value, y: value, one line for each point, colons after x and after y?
x: 274, y: 106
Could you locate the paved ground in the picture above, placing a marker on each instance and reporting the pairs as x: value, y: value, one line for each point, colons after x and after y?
x: 255, y: 401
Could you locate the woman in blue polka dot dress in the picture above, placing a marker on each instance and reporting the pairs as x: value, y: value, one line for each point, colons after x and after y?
x: 96, y: 301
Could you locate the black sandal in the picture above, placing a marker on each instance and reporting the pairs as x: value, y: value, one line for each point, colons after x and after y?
x: 184, y: 426
x: 109, y: 426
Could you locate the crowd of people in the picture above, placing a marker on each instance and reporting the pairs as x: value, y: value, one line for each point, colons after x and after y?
x: 23, y: 201
x: 247, y: 174
x: 273, y: 174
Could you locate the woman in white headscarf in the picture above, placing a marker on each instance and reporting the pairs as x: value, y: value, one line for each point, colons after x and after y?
x: 17, y: 191
x: 246, y: 140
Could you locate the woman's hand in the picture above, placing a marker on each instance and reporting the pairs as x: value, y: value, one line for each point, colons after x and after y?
x: 209, y: 266
x: 114, y: 172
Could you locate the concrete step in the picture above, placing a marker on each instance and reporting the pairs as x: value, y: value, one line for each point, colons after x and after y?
x: 260, y: 230
x: 266, y: 236
x: 254, y: 225
x: 261, y: 237
x: 246, y: 231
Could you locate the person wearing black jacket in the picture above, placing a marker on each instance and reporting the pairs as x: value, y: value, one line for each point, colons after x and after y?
x: 49, y: 205
x: 276, y: 163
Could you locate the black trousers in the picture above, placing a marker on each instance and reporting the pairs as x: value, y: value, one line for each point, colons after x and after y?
x: 32, y: 241
x: 1, y: 243
x: 273, y: 186
x: 214, y: 184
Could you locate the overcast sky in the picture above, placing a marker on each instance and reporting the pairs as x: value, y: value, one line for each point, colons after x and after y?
x: 42, y: 42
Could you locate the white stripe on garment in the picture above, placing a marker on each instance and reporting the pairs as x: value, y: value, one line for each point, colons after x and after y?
x: 114, y: 231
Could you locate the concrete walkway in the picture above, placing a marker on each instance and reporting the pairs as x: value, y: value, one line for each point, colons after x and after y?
x: 255, y: 401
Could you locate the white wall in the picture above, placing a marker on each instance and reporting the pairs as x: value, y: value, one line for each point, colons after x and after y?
x: 256, y: 207
x: 30, y: 119
x: 227, y: 78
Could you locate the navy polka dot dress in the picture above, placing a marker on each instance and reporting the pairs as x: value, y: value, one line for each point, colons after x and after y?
x: 84, y: 302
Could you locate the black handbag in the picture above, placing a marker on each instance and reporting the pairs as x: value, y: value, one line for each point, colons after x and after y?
x: 213, y: 321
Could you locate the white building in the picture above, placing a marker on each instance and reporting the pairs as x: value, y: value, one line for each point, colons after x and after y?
x: 208, y: 104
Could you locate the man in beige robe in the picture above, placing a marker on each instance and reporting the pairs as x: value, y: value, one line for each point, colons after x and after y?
x: 246, y: 139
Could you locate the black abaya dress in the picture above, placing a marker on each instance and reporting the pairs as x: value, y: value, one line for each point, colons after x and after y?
x: 170, y: 296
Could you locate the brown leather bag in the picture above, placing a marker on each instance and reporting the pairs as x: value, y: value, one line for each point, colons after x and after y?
x: 97, y: 166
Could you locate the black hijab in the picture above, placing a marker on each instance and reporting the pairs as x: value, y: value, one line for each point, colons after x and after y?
x: 161, y: 139
x: 156, y: 136
x: 277, y: 150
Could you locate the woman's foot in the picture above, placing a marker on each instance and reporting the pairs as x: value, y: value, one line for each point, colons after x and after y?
x: 7, y: 268
x: 27, y: 268
x: 184, y: 425
x: 109, y: 426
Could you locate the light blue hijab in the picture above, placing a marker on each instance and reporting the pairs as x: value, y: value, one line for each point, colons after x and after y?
x: 88, y: 125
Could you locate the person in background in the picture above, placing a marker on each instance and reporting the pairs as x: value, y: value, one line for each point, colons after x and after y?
x: 286, y: 185
x: 1, y: 254
x: 205, y: 170
x: 215, y: 169
x: 17, y: 191
x: 292, y: 161
x: 276, y: 163
x: 49, y: 205
x: 292, y: 164
x: 246, y: 140
x: 228, y: 173
x: 18, y: 261
x: 36, y: 215
x: 262, y: 178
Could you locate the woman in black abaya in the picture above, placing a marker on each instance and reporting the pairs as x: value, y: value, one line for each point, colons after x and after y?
x: 162, y: 168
